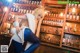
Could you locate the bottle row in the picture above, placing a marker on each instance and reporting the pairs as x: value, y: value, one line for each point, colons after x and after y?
x: 53, y: 22
x: 50, y: 38
x: 73, y: 17
x: 55, y: 14
x: 51, y: 30
x: 21, y: 10
x: 74, y: 5
x: 24, y: 7
x: 72, y: 42
x: 28, y: 2
x: 72, y: 28
x: 70, y: 17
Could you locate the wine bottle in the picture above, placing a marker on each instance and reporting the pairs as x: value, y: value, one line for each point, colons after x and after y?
x: 77, y: 17
x: 70, y: 17
x: 78, y: 5
x: 67, y: 16
x: 39, y: 2
x: 64, y: 40
x: 74, y: 17
x: 75, y: 28
x: 69, y: 5
x: 72, y: 5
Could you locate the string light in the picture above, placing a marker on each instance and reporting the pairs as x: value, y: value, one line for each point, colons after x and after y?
x: 5, y: 9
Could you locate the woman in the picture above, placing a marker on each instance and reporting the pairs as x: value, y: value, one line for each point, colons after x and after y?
x: 35, y: 19
x: 25, y: 35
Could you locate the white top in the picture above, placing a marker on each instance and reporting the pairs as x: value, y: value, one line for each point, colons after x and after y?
x: 16, y: 24
x: 32, y: 22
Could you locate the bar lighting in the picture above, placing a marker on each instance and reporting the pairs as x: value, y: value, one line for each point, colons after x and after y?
x: 61, y: 14
x: 5, y: 9
x: 46, y: 12
x: 73, y: 10
x: 8, y: 25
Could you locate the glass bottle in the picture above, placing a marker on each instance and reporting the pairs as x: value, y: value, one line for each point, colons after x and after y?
x: 78, y: 5
x: 75, y: 29
x: 66, y: 41
x: 69, y: 5
x: 77, y: 17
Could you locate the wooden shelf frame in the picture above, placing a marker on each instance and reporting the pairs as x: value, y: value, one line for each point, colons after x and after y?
x: 64, y: 48
x: 54, y: 3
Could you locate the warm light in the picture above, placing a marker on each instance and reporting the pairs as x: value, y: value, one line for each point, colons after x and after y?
x: 9, y: 0
x: 73, y: 10
x: 12, y: 16
x: 46, y: 12
x: 5, y: 9
x: 8, y: 25
x: 61, y: 14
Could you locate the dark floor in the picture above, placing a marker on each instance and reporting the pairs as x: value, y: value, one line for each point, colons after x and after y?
x: 46, y: 49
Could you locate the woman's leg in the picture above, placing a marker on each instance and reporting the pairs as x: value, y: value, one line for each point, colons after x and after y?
x: 30, y: 37
x: 18, y: 48
x: 32, y: 48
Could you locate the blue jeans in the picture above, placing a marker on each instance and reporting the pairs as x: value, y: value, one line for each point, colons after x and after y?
x: 30, y: 37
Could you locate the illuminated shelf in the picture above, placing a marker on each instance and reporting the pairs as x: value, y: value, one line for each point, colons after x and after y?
x: 52, y: 25
x: 73, y: 33
x: 74, y: 21
x: 51, y: 33
x: 51, y: 16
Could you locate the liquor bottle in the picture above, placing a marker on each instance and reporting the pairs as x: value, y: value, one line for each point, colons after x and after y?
x: 72, y: 42
x: 64, y: 40
x: 54, y: 15
x: 70, y: 17
x: 75, y: 5
x: 35, y: 2
x: 40, y: 2
x: 75, y: 28
x: 74, y: 17
x: 72, y: 5
x: 77, y: 17
x: 67, y: 16
x: 32, y: 2
x: 29, y: 2
x: 19, y: 10
x: 69, y: 5
x: 14, y: 9
x: 69, y: 40
x: 78, y: 5
x: 24, y: 11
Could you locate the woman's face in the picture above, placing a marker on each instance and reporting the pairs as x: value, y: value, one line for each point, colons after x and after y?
x: 39, y: 17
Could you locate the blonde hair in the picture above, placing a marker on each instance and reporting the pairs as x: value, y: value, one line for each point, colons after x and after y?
x: 38, y: 11
x: 24, y: 22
